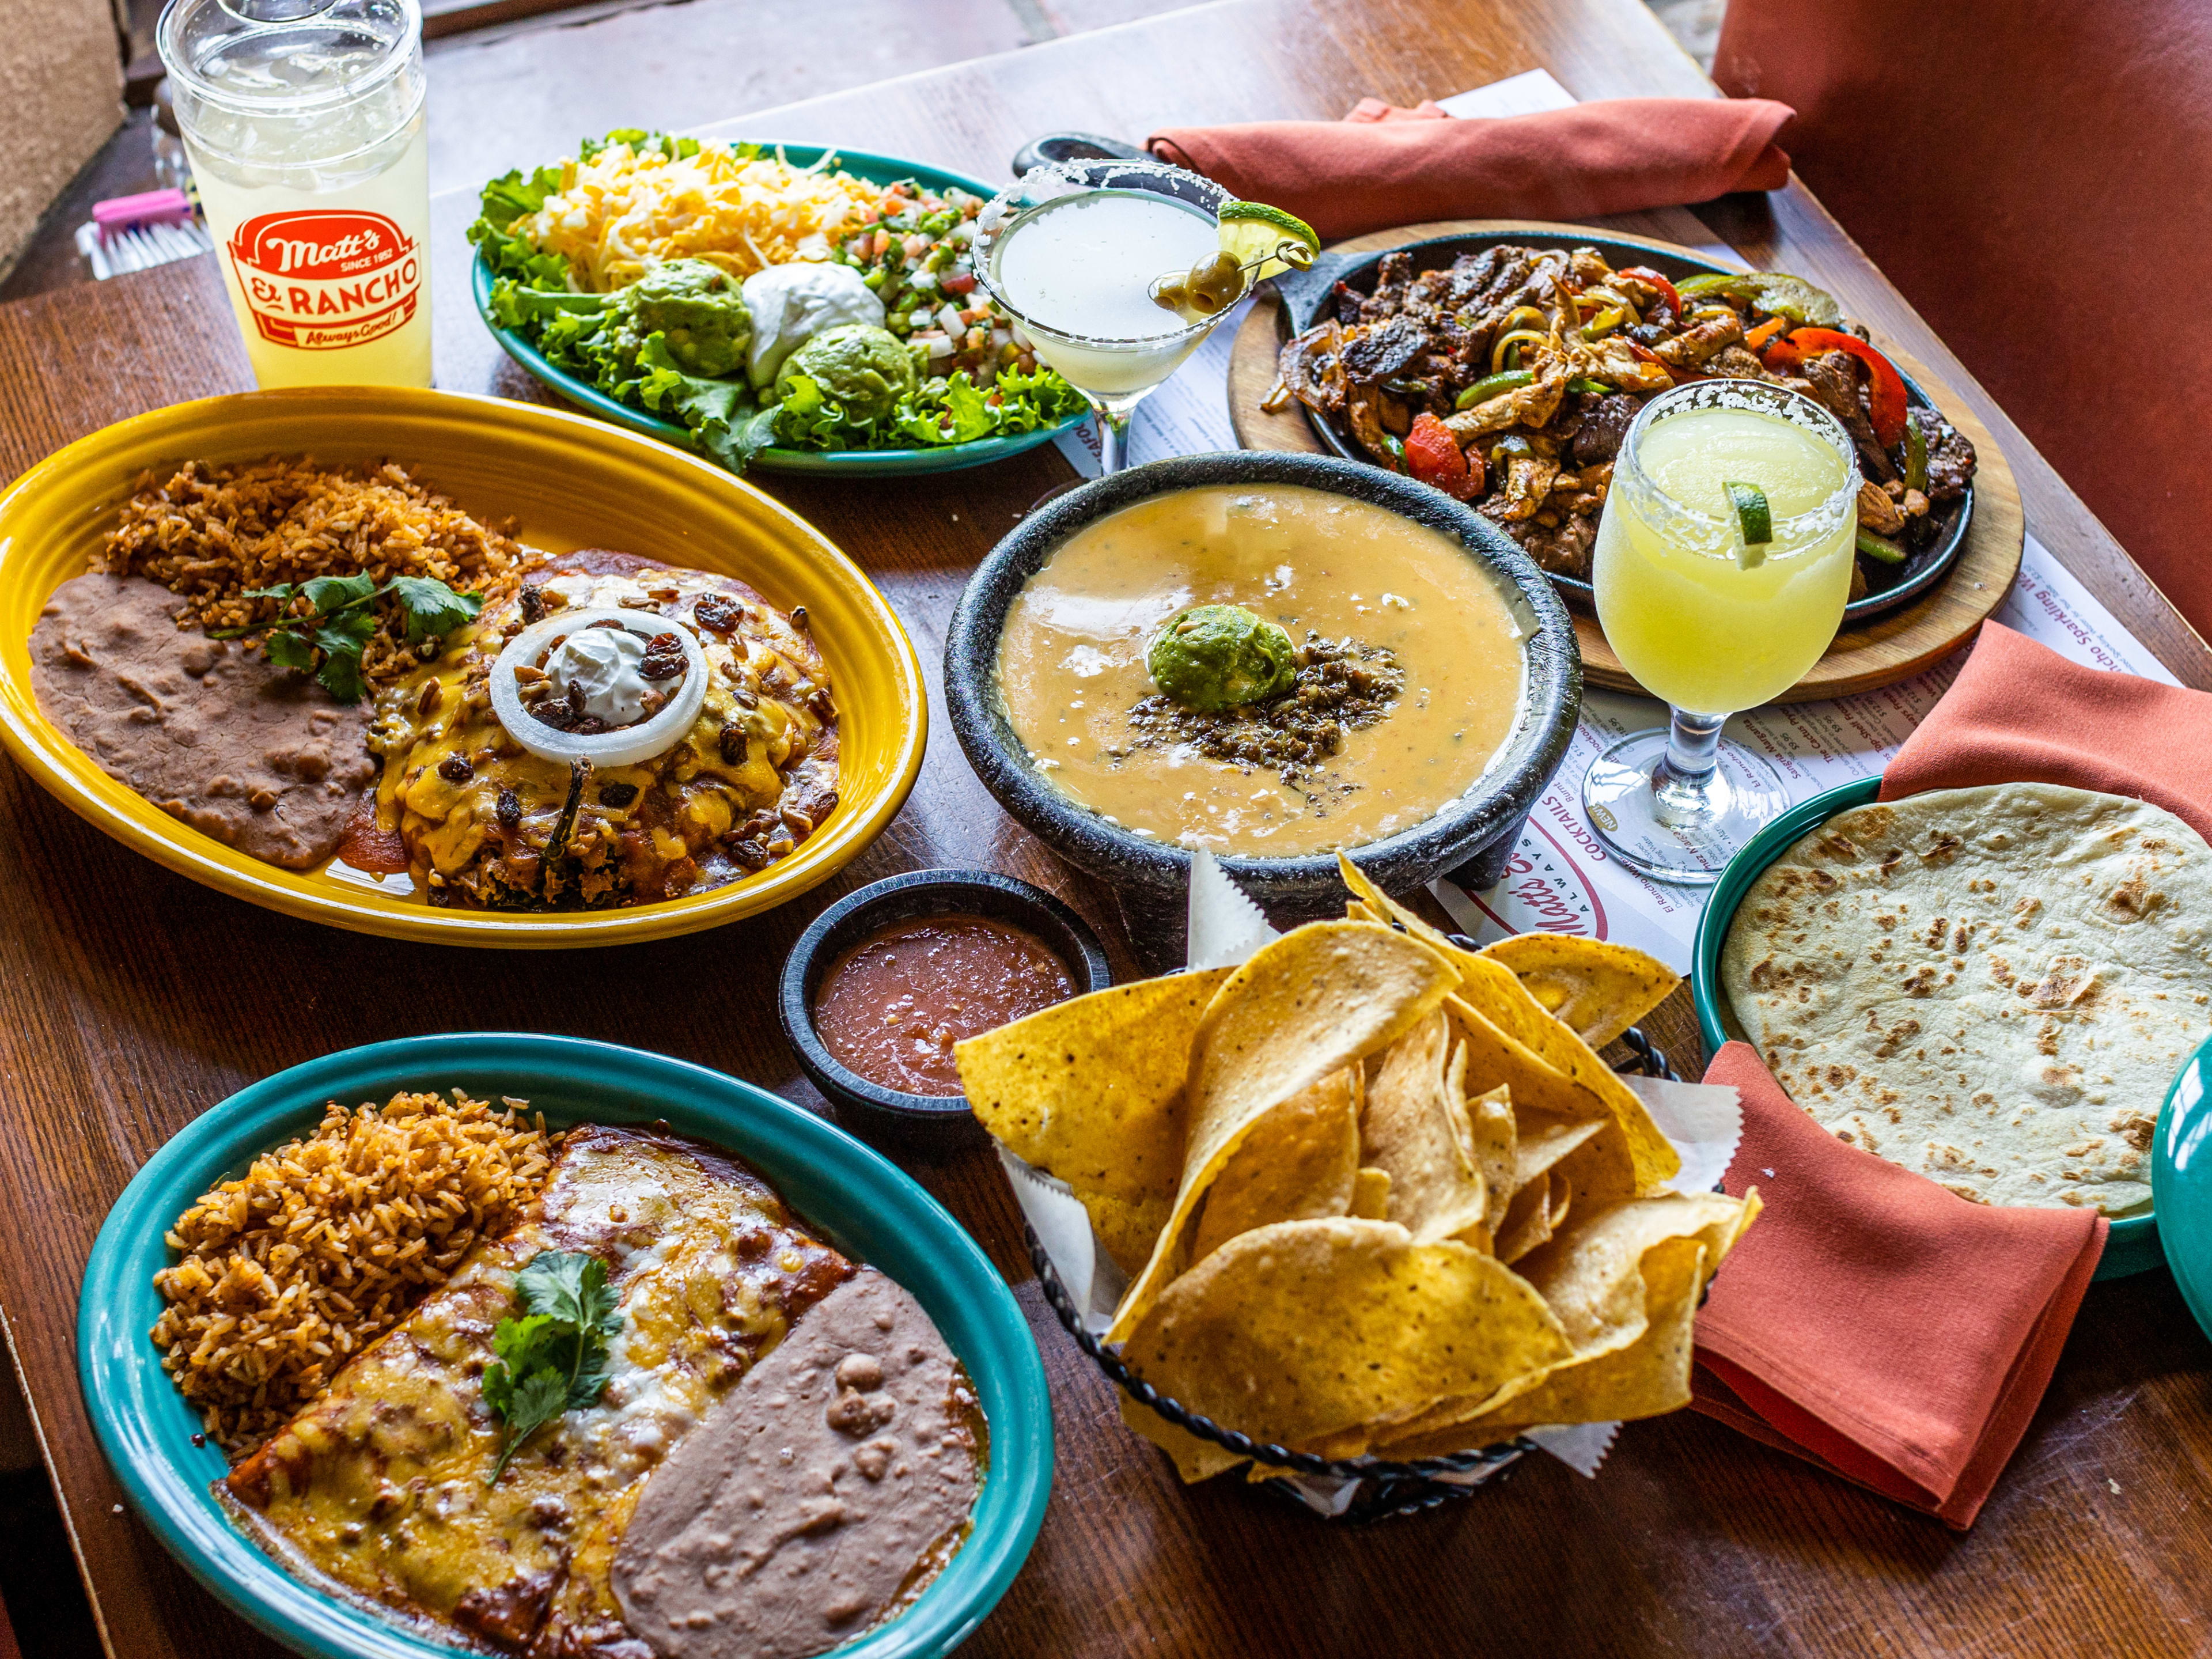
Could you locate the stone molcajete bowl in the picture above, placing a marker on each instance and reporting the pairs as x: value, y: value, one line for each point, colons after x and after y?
x: 1471, y: 838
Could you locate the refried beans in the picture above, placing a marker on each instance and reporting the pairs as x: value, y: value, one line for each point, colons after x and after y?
x: 258, y: 756
x: 817, y: 1498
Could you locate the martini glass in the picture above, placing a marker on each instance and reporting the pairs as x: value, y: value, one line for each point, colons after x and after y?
x: 1072, y: 253
x: 1710, y: 619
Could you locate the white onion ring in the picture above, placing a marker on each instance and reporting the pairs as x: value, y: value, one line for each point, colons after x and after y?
x: 625, y: 746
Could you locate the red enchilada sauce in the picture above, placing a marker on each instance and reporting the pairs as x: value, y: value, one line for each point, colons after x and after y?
x: 892, y: 1006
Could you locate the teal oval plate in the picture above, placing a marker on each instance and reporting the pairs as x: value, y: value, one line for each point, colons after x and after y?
x: 847, y: 1192
x: 845, y: 463
x: 2133, y: 1245
x: 2181, y: 1180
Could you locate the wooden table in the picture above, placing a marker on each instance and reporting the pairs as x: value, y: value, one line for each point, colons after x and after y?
x: 132, y: 1000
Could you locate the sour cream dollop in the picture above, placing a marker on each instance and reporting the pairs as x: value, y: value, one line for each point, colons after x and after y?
x: 791, y: 304
x: 604, y: 661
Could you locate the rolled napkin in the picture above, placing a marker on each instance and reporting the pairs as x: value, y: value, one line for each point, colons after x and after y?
x: 1873, y: 1323
x: 2020, y: 712
x: 1382, y: 166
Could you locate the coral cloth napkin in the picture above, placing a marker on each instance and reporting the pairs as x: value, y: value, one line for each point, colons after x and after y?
x: 1873, y: 1323
x: 1382, y: 166
x: 2020, y: 712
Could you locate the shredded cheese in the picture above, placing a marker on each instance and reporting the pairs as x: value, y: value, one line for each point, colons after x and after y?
x: 625, y: 208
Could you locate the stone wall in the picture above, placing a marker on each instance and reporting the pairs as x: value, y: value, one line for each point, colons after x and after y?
x: 61, y: 84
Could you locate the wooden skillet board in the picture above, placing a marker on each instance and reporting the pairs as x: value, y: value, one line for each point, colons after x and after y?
x: 1883, y: 651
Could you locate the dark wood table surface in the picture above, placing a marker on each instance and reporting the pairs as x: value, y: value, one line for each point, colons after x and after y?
x: 132, y: 1000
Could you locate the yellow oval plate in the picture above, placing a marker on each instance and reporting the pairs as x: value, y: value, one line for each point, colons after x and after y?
x: 571, y: 482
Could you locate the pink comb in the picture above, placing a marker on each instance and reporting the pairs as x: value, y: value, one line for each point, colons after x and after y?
x: 153, y: 206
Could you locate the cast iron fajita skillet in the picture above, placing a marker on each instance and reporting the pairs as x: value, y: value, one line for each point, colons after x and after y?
x: 1305, y: 293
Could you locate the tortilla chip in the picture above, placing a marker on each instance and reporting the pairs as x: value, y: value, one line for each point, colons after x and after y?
x: 1650, y: 1376
x: 1300, y: 1162
x: 1259, y: 1333
x: 1488, y: 985
x: 1527, y: 1220
x: 1195, y: 1460
x: 1544, y: 1140
x: 1593, y: 1277
x: 1371, y: 1196
x: 1381, y: 907
x: 1599, y: 989
x: 1608, y: 1167
x: 1416, y: 1127
x: 1490, y: 989
x: 1493, y: 1133
x: 1090, y: 1090
x: 1589, y: 1275
x: 1310, y: 1003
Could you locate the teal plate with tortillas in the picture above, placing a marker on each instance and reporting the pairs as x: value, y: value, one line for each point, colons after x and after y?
x: 2133, y: 1246
x: 846, y: 1192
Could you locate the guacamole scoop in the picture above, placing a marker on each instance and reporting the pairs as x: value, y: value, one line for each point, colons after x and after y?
x: 1213, y: 657
x: 699, y: 311
x: 864, y: 368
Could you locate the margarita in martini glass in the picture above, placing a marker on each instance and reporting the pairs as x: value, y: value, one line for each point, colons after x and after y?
x: 1722, y: 565
x: 1074, y: 253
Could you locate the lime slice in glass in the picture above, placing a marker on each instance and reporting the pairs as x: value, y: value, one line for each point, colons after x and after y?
x: 1251, y: 229
x: 1754, y: 518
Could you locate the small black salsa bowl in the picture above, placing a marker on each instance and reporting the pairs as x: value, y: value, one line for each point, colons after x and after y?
x: 864, y: 1106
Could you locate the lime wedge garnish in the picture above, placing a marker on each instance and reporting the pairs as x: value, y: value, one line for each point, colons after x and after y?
x: 1754, y: 518
x: 1251, y: 229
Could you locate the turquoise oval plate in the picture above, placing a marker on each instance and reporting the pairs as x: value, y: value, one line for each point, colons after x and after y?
x: 854, y: 1197
x: 846, y: 462
x: 2133, y: 1246
x: 2181, y: 1180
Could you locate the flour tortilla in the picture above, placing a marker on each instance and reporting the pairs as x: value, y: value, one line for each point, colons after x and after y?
x: 1993, y: 987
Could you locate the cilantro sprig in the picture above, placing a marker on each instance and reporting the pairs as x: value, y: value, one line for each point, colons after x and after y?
x: 553, y: 1357
x: 327, y: 642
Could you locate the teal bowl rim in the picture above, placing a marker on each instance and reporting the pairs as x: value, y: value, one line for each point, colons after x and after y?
x: 873, y: 463
x: 2193, y: 1266
x: 857, y: 1199
x: 2133, y: 1244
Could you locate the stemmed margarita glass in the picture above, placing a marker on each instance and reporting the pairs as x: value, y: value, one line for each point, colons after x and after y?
x: 1072, y: 252
x: 1723, y: 562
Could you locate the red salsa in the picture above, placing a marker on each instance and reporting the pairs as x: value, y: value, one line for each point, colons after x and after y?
x: 892, y: 1006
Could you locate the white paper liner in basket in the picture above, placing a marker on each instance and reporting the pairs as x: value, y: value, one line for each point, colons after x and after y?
x: 1703, y: 1122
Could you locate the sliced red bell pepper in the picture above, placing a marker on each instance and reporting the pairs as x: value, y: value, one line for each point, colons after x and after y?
x: 1886, y: 389
x: 1668, y: 292
x: 1432, y: 455
x: 1757, y: 339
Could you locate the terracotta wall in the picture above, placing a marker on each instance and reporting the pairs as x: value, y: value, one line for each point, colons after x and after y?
x: 61, y: 84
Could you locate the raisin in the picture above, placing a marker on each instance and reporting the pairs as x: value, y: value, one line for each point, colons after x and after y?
x: 799, y: 618
x: 510, y: 810
x: 455, y: 768
x: 718, y: 614
x: 664, y: 657
x: 533, y: 602
x: 749, y: 853
x: 617, y: 794
x: 733, y: 745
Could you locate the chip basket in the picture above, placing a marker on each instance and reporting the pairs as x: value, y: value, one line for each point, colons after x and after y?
x: 1381, y: 1490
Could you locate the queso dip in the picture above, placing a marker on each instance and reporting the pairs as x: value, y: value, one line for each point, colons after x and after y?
x: 1072, y: 664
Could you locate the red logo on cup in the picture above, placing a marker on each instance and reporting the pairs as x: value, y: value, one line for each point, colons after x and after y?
x: 322, y: 278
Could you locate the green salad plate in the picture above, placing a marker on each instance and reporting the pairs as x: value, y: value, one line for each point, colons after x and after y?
x: 849, y: 1193
x: 843, y: 462
x: 2133, y: 1247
